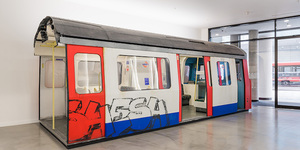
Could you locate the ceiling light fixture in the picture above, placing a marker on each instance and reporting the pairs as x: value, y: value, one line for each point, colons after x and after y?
x: 288, y: 25
x: 286, y: 20
x: 217, y: 34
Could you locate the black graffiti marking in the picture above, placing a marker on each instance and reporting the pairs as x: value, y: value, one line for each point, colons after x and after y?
x: 91, y: 113
x: 127, y: 108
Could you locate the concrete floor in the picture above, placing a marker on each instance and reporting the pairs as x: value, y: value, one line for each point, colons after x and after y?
x: 259, y: 129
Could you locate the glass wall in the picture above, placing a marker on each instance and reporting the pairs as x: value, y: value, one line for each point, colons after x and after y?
x: 258, y: 40
x: 289, y: 71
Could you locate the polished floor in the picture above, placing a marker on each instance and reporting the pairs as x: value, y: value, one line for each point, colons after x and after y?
x: 262, y: 128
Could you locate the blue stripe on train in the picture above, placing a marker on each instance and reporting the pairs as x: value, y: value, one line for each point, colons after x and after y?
x: 119, y: 128
x: 224, y: 109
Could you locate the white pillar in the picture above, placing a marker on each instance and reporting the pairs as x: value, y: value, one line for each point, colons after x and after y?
x: 253, y: 63
x: 265, y: 69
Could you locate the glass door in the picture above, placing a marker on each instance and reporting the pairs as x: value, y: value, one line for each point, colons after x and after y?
x: 288, y: 72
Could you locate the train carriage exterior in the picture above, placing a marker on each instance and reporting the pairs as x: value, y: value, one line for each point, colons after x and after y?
x: 99, y: 82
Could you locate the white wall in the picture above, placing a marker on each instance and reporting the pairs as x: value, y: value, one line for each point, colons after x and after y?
x: 204, y: 34
x: 19, y: 68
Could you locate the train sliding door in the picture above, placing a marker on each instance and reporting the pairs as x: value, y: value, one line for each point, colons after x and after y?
x: 240, y: 83
x: 86, y: 93
x: 196, y: 87
x: 224, y: 83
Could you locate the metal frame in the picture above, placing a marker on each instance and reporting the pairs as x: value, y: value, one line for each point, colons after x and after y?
x: 40, y: 87
x: 253, y: 22
x: 276, y: 48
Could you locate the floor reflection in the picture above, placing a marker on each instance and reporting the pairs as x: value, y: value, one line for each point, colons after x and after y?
x: 258, y: 129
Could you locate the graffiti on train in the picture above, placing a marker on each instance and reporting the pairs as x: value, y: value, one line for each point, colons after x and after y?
x: 127, y: 115
x: 130, y: 115
x: 85, y: 121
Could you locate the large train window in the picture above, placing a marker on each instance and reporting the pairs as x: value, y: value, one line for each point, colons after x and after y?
x: 143, y: 73
x: 59, y: 73
x: 87, y: 73
x: 223, y: 73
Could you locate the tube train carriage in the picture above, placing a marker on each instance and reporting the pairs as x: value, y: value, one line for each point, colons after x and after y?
x: 99, y: 82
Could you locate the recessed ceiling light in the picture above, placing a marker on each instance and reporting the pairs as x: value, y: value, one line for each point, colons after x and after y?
x: 217, y: 34
x: 286, y: 20
x: 288, y: 25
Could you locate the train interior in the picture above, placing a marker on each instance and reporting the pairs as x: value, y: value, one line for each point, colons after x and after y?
x: 52, y: 118
x: 193, y: 88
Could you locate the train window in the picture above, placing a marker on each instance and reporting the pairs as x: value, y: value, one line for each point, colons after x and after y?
x: 238, y: 71
x: 141, y: 73
x: 119, y: 73
x: 59, y: 74
x: 223, y: 73
x: 87, y: 73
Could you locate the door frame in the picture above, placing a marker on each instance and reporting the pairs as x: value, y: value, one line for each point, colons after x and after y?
x: 276, y: 72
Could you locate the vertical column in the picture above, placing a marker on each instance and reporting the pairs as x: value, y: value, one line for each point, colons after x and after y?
x: 234, y: 38
x: 265, y: 69
x: 253, y: 63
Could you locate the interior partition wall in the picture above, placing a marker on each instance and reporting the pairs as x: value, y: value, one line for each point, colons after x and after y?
x: 273, y: 48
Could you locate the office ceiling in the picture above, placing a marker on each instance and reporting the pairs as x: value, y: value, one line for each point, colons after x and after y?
x: 201, y: 13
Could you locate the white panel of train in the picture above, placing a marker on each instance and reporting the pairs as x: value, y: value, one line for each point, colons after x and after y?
x: 135, y: 100
x: 224, y: 82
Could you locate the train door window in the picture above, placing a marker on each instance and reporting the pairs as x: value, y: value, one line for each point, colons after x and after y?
x: 223, y: 73
x: 87, y: 73
x: 238, y: 71
x: 141, y: 73
x: 59, y: 73
x: 119, y: 73
x: 165, y: 73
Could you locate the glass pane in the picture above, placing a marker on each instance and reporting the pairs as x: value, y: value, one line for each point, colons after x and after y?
x: 288, y: 78
x: 223, y: 73
x: 141, y: 73
x: 165, y: 73
x: 186, y: 74
x: 288, y: 26
x: 87, y: 73
x: 59, y: 74
x: 241, y: 32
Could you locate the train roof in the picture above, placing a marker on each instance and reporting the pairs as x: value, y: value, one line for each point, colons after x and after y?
x: 63, y: 28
